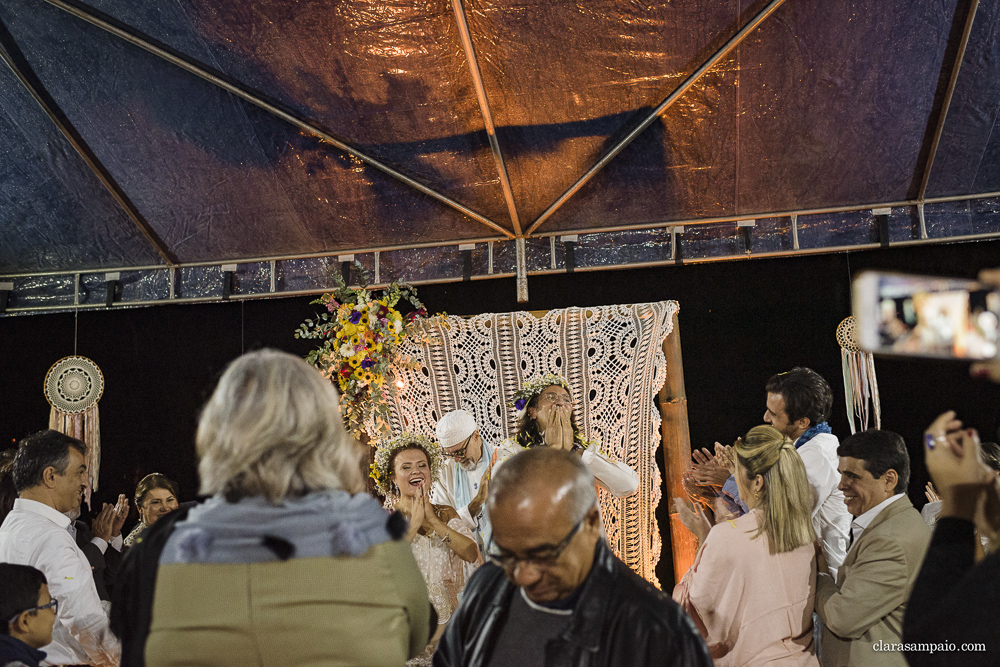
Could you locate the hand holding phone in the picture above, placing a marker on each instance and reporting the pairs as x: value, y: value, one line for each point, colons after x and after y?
x: 926, y: 316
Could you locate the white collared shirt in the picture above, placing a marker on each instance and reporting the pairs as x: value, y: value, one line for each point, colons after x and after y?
x: 830, y: 517
x: 36, y: 534
x: 862, y: 522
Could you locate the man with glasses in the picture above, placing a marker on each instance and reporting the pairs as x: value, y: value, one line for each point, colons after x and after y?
x: 50, y: 474
x: 465, y: 477
x: 553, y: 593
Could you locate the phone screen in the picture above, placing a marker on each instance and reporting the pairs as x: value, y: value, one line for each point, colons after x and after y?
x: 926, y: 316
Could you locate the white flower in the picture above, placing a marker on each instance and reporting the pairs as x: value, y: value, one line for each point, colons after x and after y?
x: 347, y: 350
x: 398, y: 326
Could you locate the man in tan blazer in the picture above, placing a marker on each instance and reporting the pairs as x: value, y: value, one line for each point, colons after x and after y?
x: 862, y: 611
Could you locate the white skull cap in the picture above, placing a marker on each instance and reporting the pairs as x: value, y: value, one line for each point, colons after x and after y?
x: 455, y: 427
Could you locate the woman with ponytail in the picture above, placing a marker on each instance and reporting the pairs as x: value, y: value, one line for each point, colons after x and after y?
x: 752, y: 585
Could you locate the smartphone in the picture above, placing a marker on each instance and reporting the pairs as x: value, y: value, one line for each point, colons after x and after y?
x: 926, y: 316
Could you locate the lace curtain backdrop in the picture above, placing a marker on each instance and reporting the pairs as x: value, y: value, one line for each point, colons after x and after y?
x: 612, y: 357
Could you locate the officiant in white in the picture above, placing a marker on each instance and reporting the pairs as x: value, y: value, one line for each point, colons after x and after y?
x: 465, y: 477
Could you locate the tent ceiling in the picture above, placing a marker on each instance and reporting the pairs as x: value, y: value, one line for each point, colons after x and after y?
x: 185, y: 132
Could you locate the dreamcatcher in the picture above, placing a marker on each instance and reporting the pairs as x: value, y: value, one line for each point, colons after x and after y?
x: 860, y: 385
x: 73, y: 386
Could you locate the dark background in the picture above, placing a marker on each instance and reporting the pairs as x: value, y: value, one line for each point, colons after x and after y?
x: 740, y: 322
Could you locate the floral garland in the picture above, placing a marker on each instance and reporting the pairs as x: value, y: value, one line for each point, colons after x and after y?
x: 380, y: 466
x: 532, y: 387
x: 360, y: 333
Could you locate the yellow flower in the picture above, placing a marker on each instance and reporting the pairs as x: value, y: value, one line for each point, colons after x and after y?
x: 355, y: 339
x: 354, y: 361
x: 367, y: 377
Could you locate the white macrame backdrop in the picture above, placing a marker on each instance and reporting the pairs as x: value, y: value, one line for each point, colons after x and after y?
x: 612, y: 357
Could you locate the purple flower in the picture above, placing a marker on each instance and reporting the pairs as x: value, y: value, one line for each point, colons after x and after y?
x: 355, y: 316
x: 367, y: 363
x: 520, y: 403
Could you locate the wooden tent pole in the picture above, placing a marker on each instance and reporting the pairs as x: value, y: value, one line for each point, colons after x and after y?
x: 676, y: 449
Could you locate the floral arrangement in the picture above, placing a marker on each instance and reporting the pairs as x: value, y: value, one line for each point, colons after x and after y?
x: 532, y: 387
x: 360, y: 333
x: 380, y: 466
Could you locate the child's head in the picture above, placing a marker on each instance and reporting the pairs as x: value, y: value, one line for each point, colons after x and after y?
x: 26, y: 610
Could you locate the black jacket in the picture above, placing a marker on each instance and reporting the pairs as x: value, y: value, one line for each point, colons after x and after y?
x: 620, y: 619
x: 15, y: 652
x: 954, y: 601
x: 104, y: 564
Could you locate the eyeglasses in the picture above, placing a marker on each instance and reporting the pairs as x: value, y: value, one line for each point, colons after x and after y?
x: 52, y: 604
x: 542, y: 557
x: 553, y: 397
x: 459, y: 453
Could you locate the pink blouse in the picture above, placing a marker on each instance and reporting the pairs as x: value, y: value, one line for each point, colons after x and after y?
x: 752, y: 607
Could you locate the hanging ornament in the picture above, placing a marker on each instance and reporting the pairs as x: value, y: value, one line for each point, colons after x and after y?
x: 73, y: 386
x: 860, y: 384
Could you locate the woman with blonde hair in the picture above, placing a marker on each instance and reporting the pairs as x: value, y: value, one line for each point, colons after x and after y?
x: 752, y: 586
x: 289, y: 562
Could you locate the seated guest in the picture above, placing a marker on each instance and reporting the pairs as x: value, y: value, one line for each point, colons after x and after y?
x: 865, y: 605
x: 155, y: 496
x: 545, y: 419
x: 27, y: 614
x: 50, y: 474
x: 956, y: 602
x: 404, y: 469
x: 282, y: 565
x: 751, y: 588
x: 102, y: 543
x: 553, y: 593
x: 465, y: 477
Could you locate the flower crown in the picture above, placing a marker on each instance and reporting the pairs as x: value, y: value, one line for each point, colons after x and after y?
x: 380, y: 466
x: 533, y: 387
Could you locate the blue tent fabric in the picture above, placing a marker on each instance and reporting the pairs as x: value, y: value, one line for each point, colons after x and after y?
x: 827, y: 104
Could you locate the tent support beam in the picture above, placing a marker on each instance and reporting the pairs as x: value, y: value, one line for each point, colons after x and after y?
x: 939, y: 130
x: 763, y: 215
x: 238, y: 89
x: 15, y: 60
x: 484, y: 108
x: 693, y: 78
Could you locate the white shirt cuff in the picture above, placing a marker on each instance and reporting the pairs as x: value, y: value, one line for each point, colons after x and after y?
x: 101, y: 544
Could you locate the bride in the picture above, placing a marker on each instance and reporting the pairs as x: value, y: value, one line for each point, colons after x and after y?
x: 404, y: 470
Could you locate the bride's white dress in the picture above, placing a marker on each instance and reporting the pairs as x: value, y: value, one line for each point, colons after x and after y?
x: 445, y: 574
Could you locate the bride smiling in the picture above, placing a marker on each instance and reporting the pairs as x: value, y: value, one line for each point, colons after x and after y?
x: 404, y: 470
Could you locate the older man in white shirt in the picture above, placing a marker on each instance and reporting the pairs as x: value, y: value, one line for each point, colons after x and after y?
x: 50, y: 475
x: 465, y: 478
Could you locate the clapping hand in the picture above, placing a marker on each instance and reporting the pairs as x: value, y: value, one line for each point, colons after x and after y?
x: 102, y: 525
x: 932, y: 496
x: 416, y: 515
x: 707, y: 471
x: 121, y: 513
x: 693, y: 518
x: 725, y: 457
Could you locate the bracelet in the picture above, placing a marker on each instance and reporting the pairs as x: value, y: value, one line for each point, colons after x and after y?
x: 446, y: 538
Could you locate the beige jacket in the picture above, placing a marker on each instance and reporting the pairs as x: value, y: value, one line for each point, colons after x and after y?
x: 867, y: 605
x: 367, y: 611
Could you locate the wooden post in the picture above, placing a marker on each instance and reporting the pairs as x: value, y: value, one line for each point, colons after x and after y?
x: 676, y: 449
